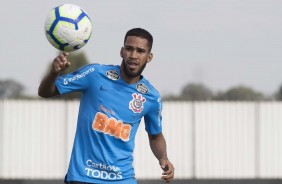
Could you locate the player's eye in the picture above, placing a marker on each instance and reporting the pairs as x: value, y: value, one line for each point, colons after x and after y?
x: 141, y: 50
x: 129, y: 49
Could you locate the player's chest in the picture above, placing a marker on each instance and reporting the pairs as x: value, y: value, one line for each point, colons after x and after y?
x: 125, y: 100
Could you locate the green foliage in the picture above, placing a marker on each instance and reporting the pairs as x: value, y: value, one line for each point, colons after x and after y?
x: 278, y: 94
x: 240, y: 93
x: 195, y: 92
x: 199, y: 92
x: 192, y: 92
x: 10, y: 89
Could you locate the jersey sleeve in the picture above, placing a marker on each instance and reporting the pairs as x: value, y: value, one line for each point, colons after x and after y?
x: 153, y: 119
x: 75, y: 81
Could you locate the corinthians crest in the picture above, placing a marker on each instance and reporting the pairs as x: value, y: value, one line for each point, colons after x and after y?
x: 136, y: 104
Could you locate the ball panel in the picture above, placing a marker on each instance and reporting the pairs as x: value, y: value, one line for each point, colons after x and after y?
x: 67, y: 32
x: 49, y: 20
x: 85, y: 27
x: 70, y: 11
x: 53, y: 42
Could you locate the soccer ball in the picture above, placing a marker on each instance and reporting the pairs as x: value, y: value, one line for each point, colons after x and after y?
x: 68, y: 27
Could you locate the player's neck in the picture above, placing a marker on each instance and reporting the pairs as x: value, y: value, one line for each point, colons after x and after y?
x: 129, y: 79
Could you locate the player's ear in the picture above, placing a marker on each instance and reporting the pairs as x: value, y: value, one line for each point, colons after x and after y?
x: 150, y: 57
x: 121, y: 52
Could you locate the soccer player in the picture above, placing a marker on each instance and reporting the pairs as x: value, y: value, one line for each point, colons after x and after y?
x: 113, y: 101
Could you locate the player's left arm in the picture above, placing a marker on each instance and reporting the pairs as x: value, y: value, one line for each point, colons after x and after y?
x: 158, y: 147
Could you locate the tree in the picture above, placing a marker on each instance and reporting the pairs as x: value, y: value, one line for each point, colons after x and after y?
x: 196, y: 92
x: 278, y: 94
x: 171, y: 98
x: 240, y: 93
x: 10, y: 89
x: 199, y: 92
x: 192, y: 92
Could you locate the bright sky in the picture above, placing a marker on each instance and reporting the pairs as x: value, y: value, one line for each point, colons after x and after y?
x: 219, y: 43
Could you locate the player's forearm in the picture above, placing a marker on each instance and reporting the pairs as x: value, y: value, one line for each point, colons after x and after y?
x: 47, y: 86
x: 158, y: 146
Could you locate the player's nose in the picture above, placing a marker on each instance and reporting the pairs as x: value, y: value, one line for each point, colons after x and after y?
x: 133, y: 54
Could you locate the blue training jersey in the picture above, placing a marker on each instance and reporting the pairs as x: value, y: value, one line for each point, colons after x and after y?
x: 109, y: 115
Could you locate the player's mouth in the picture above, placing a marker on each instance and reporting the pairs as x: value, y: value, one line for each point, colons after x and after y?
x: 132, y: 65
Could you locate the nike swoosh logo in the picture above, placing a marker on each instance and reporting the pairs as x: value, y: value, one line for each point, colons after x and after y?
x: 102, y: 88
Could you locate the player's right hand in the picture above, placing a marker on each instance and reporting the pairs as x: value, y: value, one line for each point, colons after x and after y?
x: 168, y: 174
x: 60, y: 63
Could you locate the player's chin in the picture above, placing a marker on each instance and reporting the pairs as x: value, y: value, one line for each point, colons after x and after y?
x: 132, y: 73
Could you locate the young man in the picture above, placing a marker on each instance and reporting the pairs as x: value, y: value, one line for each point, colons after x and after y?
x: 113, y: 101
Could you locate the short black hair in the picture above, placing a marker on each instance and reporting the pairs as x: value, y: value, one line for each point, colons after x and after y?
x: 142, y: 33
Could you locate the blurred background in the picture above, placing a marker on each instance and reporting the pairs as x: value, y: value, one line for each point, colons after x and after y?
x: 216, y: 64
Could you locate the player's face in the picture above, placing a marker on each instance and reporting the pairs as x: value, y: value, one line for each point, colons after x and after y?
x: 135, y: 55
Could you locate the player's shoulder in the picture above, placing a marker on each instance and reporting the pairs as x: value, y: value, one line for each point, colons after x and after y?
x: 145, y: 86
x: 97, y: 67
x: 101, y: 67
x: 87, y: 67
